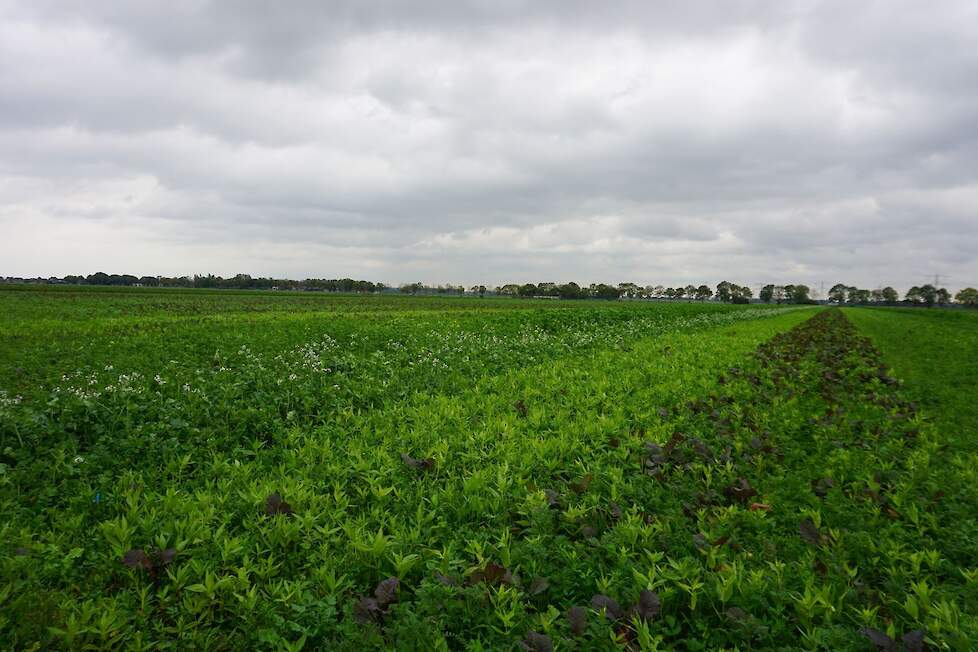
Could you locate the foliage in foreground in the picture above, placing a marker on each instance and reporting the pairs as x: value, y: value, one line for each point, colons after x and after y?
x: 663, y: 492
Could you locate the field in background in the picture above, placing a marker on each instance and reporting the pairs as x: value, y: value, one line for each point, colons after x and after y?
x: 51, y: 330
x: 936, y: 353
x: 228, y: 470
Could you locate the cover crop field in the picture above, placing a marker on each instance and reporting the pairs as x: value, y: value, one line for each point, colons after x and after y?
x: 236, y: 470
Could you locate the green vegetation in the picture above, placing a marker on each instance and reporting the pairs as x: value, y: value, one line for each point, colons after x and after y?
x: 52, y: 330
x: 187, y: 470
x: 936, y: 353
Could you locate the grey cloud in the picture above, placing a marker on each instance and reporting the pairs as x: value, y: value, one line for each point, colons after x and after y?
x: 472, y: 141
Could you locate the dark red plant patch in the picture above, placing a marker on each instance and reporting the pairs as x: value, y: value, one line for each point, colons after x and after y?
x: 912, y: 641
x: 648, y: 606
x: 539, y: 585
x: 137, y: 559
x: 810, y: 533
x: 536, y: 642
x: 612, y: 610
x: 447, y: 580
x: 275, y: 506
x: 374, y: 609
x: 493, y: 574
x: 577, y: 617
x: 553, y: 498
x: 153, y: 563
x: 425, y: 464
x: 676, y: 439
x: 520, y: 407
x: 740, y: 491
x: 580, y: 485
x: 821, y: 486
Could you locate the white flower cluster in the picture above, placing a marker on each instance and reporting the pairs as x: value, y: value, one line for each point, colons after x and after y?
x: 312, y: 355
x: 9, y: 401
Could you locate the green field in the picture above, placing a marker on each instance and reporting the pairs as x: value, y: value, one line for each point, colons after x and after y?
x: 936, y: 353
x: 245, y: 470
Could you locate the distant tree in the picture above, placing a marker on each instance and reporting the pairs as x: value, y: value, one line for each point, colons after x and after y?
x: 723, y: 292
x: 967, y: 297
x: 603, y: 291
x: 149, y: 281
x: 767, y: 293
x: 240, y: 281
x: 787, y: 293
x: 527, y: 290
x: 703, y: 293
x: 176, y: 282
x: 779, y: 294
x: 740, y: 294
x: 929, y: 295
x: 838, y: 293
x: 629, y: 290
x: 678, y: 293
x: 547, y: 290
x: 799, y: 294
x: 209, y: 281
x: 571, y: 291
x: 510, y: 290
x: 943, y: 297
x: 98, y: 278
x: 890, y: 295
x: 657, y: 292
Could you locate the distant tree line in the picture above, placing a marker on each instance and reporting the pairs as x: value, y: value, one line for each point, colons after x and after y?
x: 246, y: 282
x: 236, y: 282
x: 726, y: 292
x: 790, y: 293
x: 421, y: 288
x: 922, y: 295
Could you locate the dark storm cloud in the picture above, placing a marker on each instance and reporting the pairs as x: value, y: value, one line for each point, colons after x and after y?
x: 488, y: 141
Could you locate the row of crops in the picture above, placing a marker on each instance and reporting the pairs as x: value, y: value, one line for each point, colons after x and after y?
x: 592, y: 478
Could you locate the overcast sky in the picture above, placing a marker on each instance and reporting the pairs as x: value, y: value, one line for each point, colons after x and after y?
x: 494, y: 141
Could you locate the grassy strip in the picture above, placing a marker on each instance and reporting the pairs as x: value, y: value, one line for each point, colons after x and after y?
x: 936, y: 353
